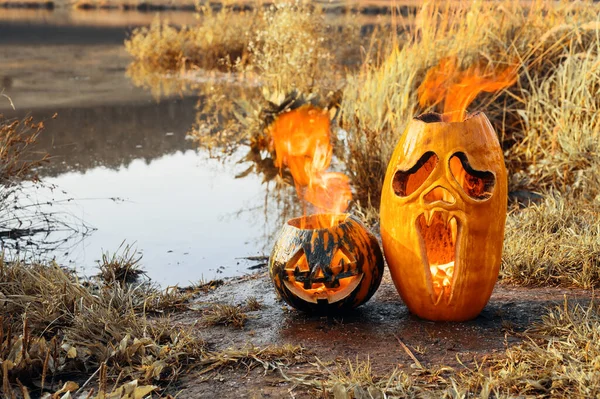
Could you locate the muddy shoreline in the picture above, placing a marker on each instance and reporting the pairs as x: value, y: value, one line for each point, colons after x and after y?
x: 373, y: 331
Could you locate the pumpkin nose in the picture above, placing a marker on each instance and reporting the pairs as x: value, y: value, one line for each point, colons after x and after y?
x: 439, y: 194
x: 318, y: 273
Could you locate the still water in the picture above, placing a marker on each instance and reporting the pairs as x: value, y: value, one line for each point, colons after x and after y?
x: 133, y: 177
x: 187, y: 215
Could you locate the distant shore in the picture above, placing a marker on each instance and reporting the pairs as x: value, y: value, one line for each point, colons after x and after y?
x: 368, y: 7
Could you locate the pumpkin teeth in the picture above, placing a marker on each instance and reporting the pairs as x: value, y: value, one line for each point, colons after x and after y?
x: 429, y: 217
x: 453, y: 228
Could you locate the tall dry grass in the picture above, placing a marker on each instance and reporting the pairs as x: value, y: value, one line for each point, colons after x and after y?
x: 18, y: 161
x: 217, y: 42
x: 289, y: 44
x: 546, y: 121
x: 554, y: 243
x: 244, y: 65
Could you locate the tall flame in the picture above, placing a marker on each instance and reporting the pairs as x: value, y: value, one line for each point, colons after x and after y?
x: 457, y: 89
x: 301, y: 139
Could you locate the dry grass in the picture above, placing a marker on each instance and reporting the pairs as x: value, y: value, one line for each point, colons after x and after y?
x: 293, y: 51
x: 270, y: 357
x: 252, y: 304
x: 17, y: 160
x: 267, y: 53
x: 90, y: 325
x: 556, y: 242
x: 547, y: 120
x: 58, y: 328
x: 557, y: 145
x: 215, y: 43
x: 289, y: 44
x: 225, y: 315
x: 123, y: 267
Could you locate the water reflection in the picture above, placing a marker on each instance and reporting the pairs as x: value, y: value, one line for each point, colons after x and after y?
x: 187, y: 214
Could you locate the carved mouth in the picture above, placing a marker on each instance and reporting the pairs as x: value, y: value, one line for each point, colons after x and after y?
x: 439, y: 231
x: 319, y: 292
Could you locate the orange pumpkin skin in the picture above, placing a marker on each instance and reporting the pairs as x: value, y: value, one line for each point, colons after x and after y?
x: 317, y: 268
x: 467, y: 185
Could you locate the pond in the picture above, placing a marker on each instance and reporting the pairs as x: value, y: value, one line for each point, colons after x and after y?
x: 122, y: 165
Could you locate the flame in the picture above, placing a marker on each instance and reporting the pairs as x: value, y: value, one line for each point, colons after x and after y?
x: 301, y: 139
x: 457, y: 89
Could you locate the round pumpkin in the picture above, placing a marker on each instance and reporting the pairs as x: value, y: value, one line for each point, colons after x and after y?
x: 443, y: 209
x: 326, y: 262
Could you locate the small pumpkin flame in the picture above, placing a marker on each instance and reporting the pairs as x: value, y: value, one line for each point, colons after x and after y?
x: 301, y: 139
x: 457, y: 89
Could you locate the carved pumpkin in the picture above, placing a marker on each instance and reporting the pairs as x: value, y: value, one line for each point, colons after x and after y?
x: 317, y: 267
x: 443, y: 209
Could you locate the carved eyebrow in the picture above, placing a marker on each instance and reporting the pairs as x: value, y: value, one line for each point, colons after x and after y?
x: 476, y: 184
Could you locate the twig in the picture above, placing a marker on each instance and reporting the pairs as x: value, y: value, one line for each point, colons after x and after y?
x: 255, y: 258
x: 9, y: 99
x: 409, y: 352
x: 89, y: 379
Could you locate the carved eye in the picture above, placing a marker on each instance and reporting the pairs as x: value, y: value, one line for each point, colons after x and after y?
x: 298, y: 263
x: 476, y: 184
x: 342, y: 261
x: 407, y: 182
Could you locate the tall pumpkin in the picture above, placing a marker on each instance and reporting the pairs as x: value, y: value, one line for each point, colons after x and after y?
x: 443, y: 209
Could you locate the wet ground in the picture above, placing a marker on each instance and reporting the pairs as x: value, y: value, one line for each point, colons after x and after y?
x: 373, y: 331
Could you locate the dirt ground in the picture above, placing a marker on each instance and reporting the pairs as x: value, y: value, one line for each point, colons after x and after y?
x: 370, y: 332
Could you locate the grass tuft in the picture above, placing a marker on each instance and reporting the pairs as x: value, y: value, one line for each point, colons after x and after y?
x: 554, y: 243
x: 56, y: 325
x: 225, y: 315
x: 252, y: 304
x: 123, y: 267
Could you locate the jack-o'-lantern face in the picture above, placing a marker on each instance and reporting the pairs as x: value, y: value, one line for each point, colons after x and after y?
x: 443, y: 211
x: 329, y: 282
x: 317, y: 267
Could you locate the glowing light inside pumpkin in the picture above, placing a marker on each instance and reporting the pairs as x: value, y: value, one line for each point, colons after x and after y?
x: 446, y: 83
x: 441, y: 276
x: 301, y: 139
